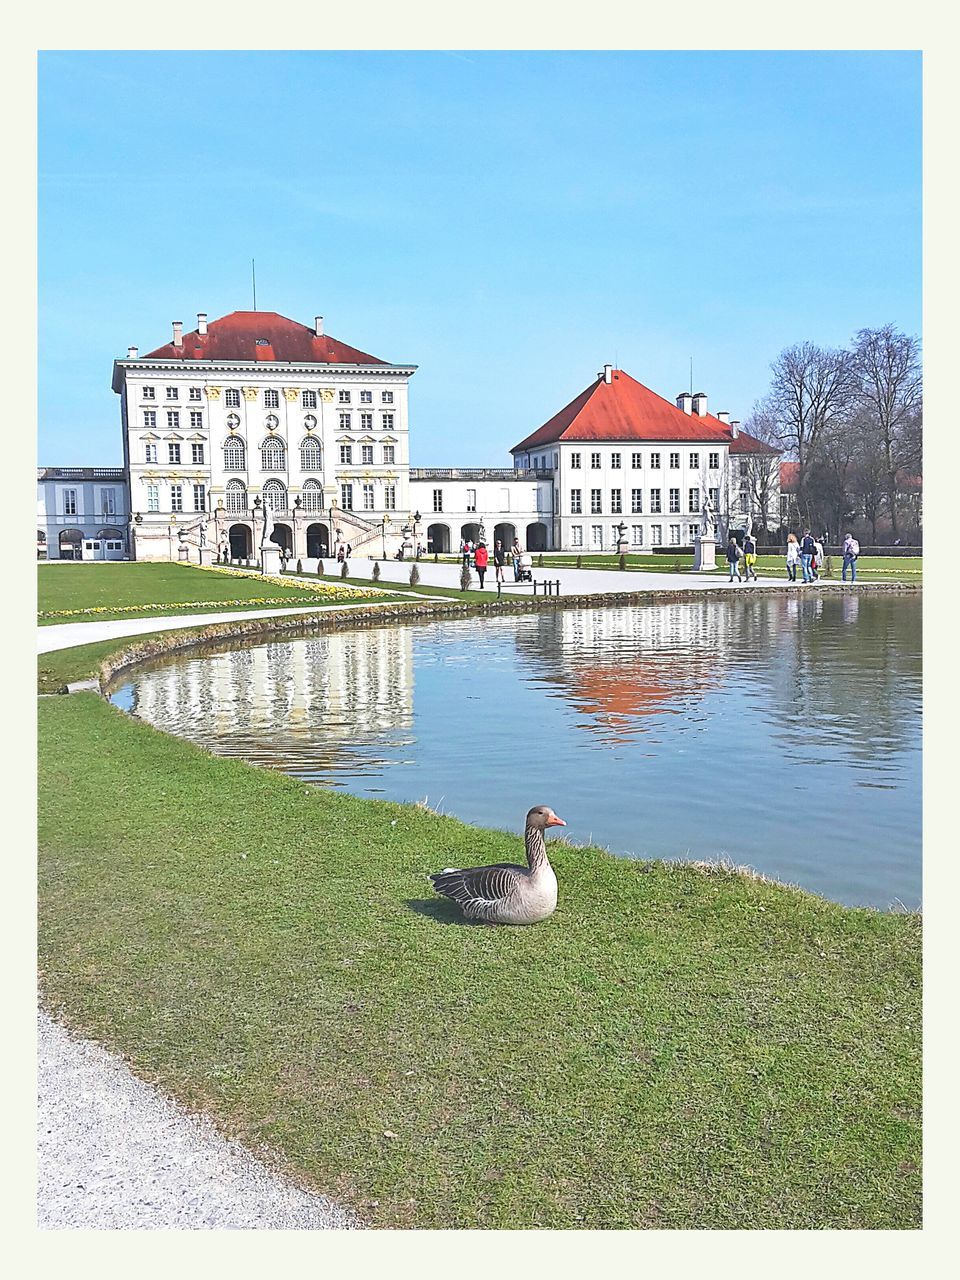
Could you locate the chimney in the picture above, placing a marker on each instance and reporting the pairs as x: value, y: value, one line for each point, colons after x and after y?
x: 684, y: 401
x: 700, y: 405
x: 734, y: 428
x: 178, y: 333
x: 318, y: 326
x: 131, y: 353
x: 201, y: 322
x: 723, y: 415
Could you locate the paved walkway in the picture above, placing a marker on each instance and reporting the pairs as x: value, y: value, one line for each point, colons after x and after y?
x: 66, y: 635
x: 115, y: 1154
x: 572, y: 581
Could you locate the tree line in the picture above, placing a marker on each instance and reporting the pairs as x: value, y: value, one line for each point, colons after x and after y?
x: 851, y: 419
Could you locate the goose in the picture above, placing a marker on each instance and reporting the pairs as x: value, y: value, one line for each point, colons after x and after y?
x: 503, y: 893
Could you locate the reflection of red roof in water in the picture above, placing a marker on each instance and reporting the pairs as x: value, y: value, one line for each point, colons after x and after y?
x: 639, y: 688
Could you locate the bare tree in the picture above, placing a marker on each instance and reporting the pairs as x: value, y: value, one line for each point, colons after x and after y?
x: 889, y: 385
x: 868, y: 479
x: 760, y: 468
x: 811, y: 387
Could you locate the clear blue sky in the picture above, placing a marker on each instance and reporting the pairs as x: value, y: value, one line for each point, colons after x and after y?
x: 508, y: 222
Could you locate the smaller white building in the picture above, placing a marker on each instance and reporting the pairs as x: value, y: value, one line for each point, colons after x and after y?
x: 630, y: 469
x: 454, y: 504
x: 83, y: 513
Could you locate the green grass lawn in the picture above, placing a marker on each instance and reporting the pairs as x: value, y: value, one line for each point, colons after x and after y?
x: 674, y: 1048
x: 87, y: 586
x: 871, y: 568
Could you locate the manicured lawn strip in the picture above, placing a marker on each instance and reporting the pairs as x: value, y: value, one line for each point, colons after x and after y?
x: 672, y: 1049
x: 422, y: 589
x: 85, y: 586
x: 309, y: 599
x: 907, y: 568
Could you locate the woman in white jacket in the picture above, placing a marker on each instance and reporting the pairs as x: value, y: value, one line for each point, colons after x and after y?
x: 793, y: 556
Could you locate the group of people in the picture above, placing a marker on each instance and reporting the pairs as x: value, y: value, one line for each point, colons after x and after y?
x: 806, y: 552
x: 747, y: 553
x: 477, y: 555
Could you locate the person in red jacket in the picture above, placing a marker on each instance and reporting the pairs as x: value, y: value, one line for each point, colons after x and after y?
x: 480, y: 559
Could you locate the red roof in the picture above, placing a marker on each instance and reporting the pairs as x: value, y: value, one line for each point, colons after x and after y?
x: 624, y: 409
x: 262, y: 336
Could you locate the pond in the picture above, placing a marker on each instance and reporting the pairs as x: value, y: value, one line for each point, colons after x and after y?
x: 782, y: 732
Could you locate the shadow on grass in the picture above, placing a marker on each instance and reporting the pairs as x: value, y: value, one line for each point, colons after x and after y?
x: 441, y: 910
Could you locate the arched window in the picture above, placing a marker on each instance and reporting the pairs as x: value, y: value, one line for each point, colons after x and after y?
x: 234, y: 455
x: 311, y: 458
x: 311, y: 496
x: 231, y: 398
x: 275, y: 496
x: 273, y: 454
x: 236, y: 497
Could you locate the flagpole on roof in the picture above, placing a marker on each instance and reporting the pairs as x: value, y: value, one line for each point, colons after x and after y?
x: 253, y: 268
x: 691, y: 362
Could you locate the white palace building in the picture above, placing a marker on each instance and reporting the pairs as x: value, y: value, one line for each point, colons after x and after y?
x: 256, y: 411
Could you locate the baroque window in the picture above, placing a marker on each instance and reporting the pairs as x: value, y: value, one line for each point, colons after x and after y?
x: 310, y: 454
x: 234, y: 454
x: 273, y: 455
x: 275, y: 496
x: 311, y: 496
x: 236, y: 497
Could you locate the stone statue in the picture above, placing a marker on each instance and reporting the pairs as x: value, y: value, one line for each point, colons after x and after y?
x: 202, y: 540
x: 708, y: 519
x: 268, y: 526
x: 482, y: 533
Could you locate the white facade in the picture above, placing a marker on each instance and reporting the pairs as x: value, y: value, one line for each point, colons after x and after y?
x: 83, y: 513
x: 655, y: 490
x: 208, y: 443
x: 455, y: 504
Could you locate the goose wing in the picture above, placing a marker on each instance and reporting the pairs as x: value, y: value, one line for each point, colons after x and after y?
x: 478, y: 888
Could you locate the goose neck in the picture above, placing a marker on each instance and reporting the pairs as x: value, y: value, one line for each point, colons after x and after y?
x: 536, y: 847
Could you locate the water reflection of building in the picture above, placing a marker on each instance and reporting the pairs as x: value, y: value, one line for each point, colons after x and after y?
x: 643, y: 660
x: 284, y: 690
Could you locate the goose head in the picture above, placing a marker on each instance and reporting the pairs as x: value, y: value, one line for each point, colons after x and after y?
x: 542, y: 816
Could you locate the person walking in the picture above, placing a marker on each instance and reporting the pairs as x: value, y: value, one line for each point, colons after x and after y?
x: 750, y: 555
x: 793, y: 556
x: 733, y: 558
x: 480, y: 561
x: 808, y: 549
x: 851, y: 549
x: 465, y: 550
x: 499, y: 560
x: 818, y: 559
x: 516, y: 551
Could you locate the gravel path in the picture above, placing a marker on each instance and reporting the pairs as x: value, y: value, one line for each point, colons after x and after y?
x: 115, y: 1154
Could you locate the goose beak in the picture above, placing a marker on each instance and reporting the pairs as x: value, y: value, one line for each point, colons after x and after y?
x: 554, y: 821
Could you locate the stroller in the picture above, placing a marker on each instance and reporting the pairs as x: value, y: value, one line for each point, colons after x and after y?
x: 524, y: 568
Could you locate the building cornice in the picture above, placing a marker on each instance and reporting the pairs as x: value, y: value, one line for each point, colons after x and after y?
x: 121, y: 367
